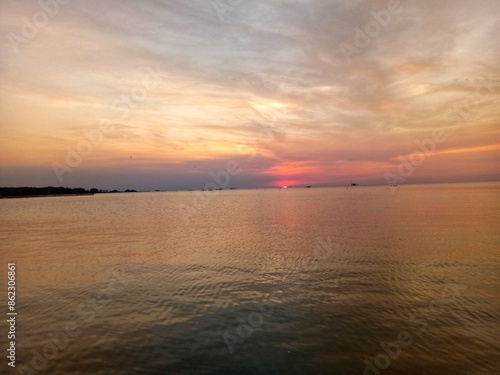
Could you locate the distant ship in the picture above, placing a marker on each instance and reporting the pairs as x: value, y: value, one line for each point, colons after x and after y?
x: 308, y: 186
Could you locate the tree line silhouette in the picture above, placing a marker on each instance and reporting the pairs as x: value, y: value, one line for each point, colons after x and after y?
x: 49, y: 190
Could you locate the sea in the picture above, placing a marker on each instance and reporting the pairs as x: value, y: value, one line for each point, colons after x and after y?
x: 364, y: 280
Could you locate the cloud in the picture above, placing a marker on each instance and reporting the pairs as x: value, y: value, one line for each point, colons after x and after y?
x: 268, y: 79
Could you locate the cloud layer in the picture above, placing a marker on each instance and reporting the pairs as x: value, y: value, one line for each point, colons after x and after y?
x: 297, y: 92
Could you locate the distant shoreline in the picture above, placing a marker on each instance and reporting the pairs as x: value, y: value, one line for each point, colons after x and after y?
x: 44, y: 196
x: 52, y: 191
x: 49, y: 191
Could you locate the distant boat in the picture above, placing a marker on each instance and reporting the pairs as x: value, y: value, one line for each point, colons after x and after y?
x: 308, y: 186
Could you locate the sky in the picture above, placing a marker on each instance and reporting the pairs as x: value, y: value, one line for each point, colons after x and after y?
x: 180, y: 94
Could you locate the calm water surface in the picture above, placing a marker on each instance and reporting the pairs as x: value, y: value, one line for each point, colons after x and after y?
x: 296, y: 281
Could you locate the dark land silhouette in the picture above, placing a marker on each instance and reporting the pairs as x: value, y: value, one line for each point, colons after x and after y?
x: 25, y: 192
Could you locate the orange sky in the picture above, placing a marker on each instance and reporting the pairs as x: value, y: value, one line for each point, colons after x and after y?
x: 159, y: 95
